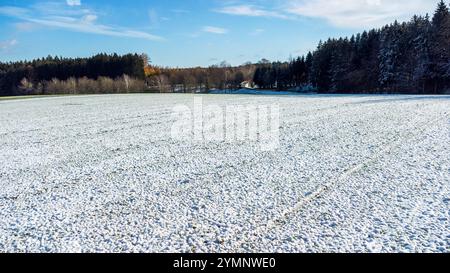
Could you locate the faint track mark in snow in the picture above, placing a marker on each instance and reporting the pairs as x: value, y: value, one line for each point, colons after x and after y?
x: 309, y: 197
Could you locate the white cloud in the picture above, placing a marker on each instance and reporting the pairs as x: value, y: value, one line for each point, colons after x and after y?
x: 180, y: 11
x: 82, y: 20
x: 73, y: 2
x: 257, y: 32
x: 25, y: 26
x: 7, y: 45
x: 89, y: 19
x: 340, y: 13
x: 89, y: 27
x: 155, y: 19
x: 360, y: 13
x: 215, y: 30
x: 251, y: 11
x: 13, y: 11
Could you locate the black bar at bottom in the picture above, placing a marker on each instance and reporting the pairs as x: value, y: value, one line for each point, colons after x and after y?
x: 180, y: 263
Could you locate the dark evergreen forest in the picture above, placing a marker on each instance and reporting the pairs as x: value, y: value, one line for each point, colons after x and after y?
x: 44, y: 76
x: 409, y: 57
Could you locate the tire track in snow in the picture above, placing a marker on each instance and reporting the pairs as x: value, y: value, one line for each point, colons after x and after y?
x: 423, y: 108
x: 285, y: 215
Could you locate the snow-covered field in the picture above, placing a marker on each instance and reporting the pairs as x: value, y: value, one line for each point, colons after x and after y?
x: 102, y: 173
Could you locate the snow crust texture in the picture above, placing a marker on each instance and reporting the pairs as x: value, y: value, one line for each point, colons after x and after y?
x: 102, y: 174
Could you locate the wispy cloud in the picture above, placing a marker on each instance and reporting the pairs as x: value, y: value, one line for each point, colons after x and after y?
x: 86, y: 25
x: 14, y: 11
x: 359, y: 13
x: 339, y: 13
x: 7, y: 45
x: 251, y: 11
x: 76, y: 19
x: 180, y: 11
x: 215, y: 30
x: 73, y: 2
x: 25, y: 26
x: 155, y: 19
x: 257, y: 32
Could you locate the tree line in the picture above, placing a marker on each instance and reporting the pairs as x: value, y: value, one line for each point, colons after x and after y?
x: 199, y: 79
x: 408, y: 57
x: 74, y: 75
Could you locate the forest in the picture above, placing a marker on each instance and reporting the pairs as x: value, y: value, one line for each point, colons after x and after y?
x: 56, y: 75
x: 410, y: 57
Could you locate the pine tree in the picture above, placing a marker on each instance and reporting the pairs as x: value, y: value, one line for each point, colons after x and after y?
x: 440, y: 47
x: 340, y: 66
x: 422, y: 60
x: 388, y: 56
x: 308, y: 67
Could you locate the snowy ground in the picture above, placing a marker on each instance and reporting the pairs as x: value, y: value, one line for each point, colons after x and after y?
x: 101, y: 173
x: 253, y: 92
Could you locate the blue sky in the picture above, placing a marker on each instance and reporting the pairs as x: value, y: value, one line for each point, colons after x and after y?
x: 189, y: 32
